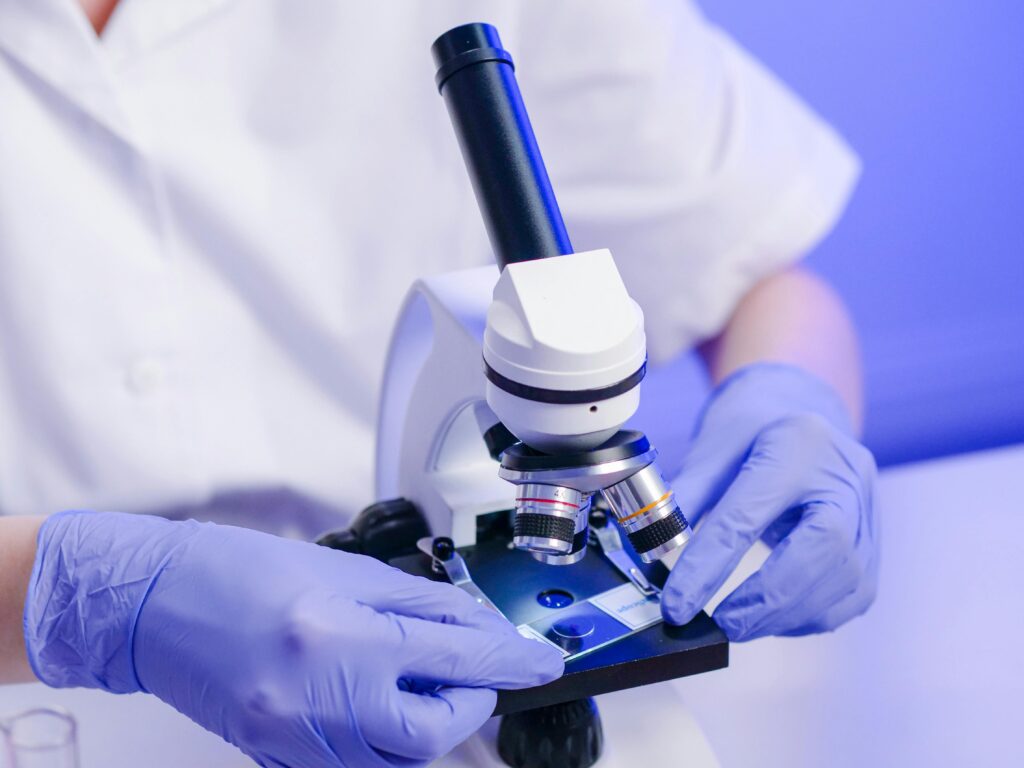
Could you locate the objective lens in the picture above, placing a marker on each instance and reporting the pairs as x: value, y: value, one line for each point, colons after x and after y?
x: 646, y: 509
x: 547, y: 518
x: 581, y: 533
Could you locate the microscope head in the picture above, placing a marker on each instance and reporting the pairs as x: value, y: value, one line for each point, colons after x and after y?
x: 564, y: 351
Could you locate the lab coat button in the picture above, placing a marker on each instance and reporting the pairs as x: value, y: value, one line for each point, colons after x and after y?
x: 145, y: 376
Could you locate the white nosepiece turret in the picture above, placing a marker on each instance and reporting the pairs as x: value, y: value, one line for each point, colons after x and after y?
x: 564, y: 351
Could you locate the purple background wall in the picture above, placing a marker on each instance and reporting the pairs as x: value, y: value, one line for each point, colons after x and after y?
x: 930, y: 256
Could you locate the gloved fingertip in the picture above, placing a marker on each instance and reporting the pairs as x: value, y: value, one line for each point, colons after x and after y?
x: 552, y: 666
x: 532, y: 662
x: 675, y: 608
x: 677, y: 616
x: 546, y: 663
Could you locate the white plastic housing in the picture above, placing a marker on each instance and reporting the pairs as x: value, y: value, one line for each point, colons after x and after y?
x: 430, y: 448
x: 564, y: 323
x: 562, y: 428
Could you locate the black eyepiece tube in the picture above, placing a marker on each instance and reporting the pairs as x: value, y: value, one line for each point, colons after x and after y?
x: 477, y: 81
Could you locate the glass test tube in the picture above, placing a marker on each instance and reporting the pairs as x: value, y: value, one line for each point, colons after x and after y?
x: 41, y: 738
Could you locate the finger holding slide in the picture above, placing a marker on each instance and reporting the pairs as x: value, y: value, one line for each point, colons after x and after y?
x: 759, y: 494
x: 463, y: 656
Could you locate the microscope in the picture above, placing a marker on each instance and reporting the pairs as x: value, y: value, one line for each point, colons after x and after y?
x: 501, y: 455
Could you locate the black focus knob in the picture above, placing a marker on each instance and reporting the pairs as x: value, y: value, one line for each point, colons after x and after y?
x: 565, y: 735
x: 383, y: 530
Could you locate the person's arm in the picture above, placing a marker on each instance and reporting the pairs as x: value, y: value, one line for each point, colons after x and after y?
x: 792, y: 317
x: 17, y: 553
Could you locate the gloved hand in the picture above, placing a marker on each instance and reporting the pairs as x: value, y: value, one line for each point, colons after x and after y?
x: 298, y: 655
x: 774, y: 458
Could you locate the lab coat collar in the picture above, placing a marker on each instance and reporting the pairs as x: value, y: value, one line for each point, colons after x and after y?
x: 137, y: 26
x: 53, y: 40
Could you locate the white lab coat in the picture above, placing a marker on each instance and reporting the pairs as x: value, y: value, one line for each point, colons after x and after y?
x: 209, y: 218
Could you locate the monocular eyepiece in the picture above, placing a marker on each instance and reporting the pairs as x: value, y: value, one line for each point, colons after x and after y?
x: 476, y: 78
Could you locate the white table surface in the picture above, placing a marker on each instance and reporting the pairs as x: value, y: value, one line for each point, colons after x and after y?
x: 932, y: 675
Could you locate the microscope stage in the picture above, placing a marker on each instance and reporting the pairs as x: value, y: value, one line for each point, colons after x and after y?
x: 513, y: 580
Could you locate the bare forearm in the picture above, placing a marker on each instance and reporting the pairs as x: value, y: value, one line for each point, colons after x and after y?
x: 17, y: 553
x: 793, y: 317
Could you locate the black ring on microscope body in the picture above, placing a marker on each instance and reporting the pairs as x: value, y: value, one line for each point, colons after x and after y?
x: 564, y: 396
x: 624, y: 444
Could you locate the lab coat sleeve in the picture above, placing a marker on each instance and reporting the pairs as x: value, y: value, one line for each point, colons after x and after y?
x: 669, y: 144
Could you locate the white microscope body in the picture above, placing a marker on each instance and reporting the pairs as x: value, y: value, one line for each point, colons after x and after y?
x: 504, y: 395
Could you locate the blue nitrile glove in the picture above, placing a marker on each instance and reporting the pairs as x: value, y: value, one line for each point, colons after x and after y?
x: 297, y: 654
x: 774, y: 458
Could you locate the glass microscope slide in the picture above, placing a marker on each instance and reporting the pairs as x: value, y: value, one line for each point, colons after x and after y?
x: 584, y: 627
